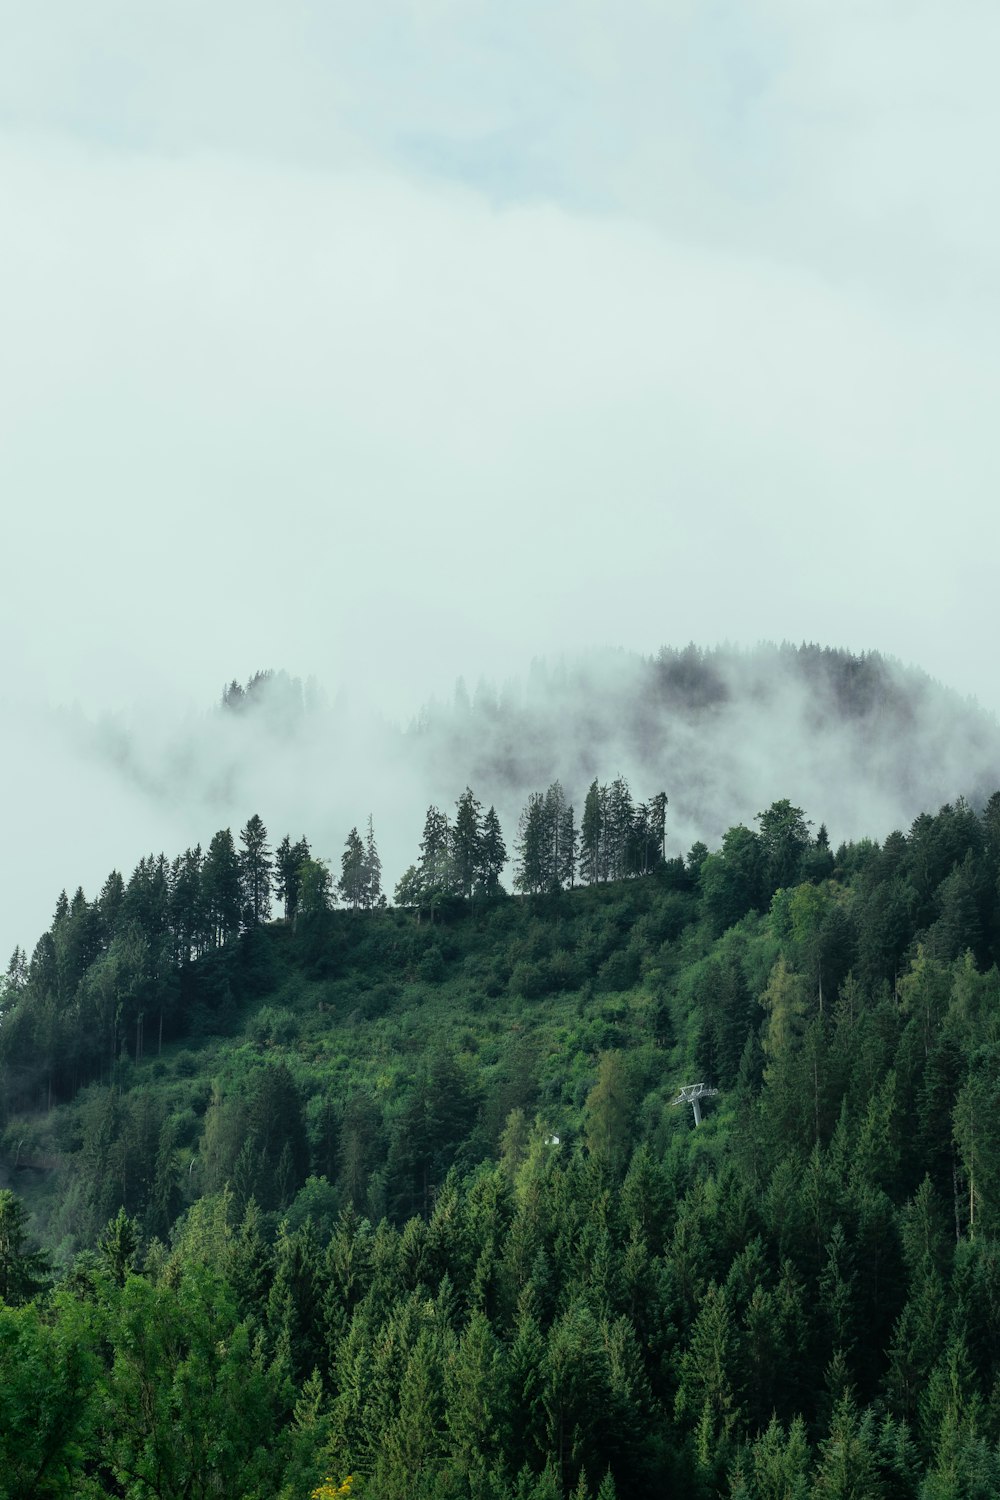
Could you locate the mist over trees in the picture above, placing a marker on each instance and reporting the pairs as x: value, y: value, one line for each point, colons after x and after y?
x: 724, y: 730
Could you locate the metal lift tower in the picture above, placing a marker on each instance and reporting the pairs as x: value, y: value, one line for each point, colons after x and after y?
x: 693, y: 1093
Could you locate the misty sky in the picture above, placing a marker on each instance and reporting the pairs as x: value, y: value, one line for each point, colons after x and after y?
x: 394, y: 342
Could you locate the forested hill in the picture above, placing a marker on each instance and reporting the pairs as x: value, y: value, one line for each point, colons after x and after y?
x: 402, y: 1193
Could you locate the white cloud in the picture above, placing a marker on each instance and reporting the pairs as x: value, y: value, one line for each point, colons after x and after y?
x: 398, y: 342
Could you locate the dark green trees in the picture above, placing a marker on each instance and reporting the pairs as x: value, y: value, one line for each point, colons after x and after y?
x: 288, y: 863
x: 466, y: 838
x: 458, y: 861
x: 353, y: 884
x: 784, y: 838
x: 619, y: 839
x: 492, y: 855
x: 360, y: 883
x: 546, y: 843
x: 22, y: 1271
x: 221, y: 889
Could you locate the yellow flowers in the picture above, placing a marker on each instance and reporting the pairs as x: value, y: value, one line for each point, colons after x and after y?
x: 330, y: 1489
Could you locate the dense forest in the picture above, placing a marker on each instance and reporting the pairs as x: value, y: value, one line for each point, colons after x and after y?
x: 305, y: 1193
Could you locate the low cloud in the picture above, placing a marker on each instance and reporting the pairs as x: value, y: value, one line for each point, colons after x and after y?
x: 860, y: 743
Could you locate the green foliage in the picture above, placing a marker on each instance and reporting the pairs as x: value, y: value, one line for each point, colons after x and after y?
x: 47, y: 1408
x: 406, y: 1199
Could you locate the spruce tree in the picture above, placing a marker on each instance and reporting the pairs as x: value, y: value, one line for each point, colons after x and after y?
x: 221, y: 889
x: 492, y: 855
x: 255, y: 873
x: 465, y: 841
x: 352, y: 884
x: 436, y: 866
x: 288, y: 862
x: 591, y: 835
x: 373, y: 870
x: 532, y: 849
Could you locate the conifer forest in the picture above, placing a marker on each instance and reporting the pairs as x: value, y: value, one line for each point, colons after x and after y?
x: 312, y: 1191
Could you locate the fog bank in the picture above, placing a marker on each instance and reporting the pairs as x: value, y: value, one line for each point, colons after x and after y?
x: 861, y: 743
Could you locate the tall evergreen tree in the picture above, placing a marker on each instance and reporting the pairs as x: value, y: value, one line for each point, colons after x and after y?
x: 353, y: 884
x: 221, y: 889
x: 187, y: 920
x: 618, y: 830
x: 373, y: 870
x: 255, y: 873
x: 492, y: 855
x: 288, y: 862
x: 566, y: 858
x: 436, y: 867
x: 531, y: 868
x: 592, y: 835
x: 465, y: 840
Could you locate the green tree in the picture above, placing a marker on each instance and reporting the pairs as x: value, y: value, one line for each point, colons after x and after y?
x: 221, y: 889
x: 119, y: 1246
x: 532, y: 869
x: 466, y: 836
x: 373, y: 870
x: 22, y: 1271
x: 779, y: 1461
x: 492, y: 855
x: 288, y: 862
x: 48, y: 1370
x: 191, y: 1411
x: 353, y: 883
x: 295, y: 1303
x: 731, y: 881
x: 315, y: 891
x: 592, y: 834
x: 784, y: 837
x: 256, y: 866
x: 848, y: 1460
x: 786, y: 1004
x: 609, y: 1110
x: 436, y: 866
x: 187, y: 918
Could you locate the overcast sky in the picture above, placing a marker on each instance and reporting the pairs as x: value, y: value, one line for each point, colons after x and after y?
x: 400, y: 341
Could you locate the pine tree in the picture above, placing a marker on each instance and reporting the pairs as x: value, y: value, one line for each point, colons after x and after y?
x: 187, y: 918
x: 221, y: 889
x: 255, y: 873
x: 14, y: 980
x: 565, y: 872
x: 109, y: 902
x: 119, y: 1246
x: 295, y: 1301
x: 353, y: 884
x: 436, y: 866
x: 22, y: 1271
x: 591, y: 835
x: 466, y: 836
x: 619, y: 823
x: 848, y: 1466
x: 288, y: 862
x: 373, y: 871
x: 658, y: 824
x: 531, y: 866
x: 492, y: 855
